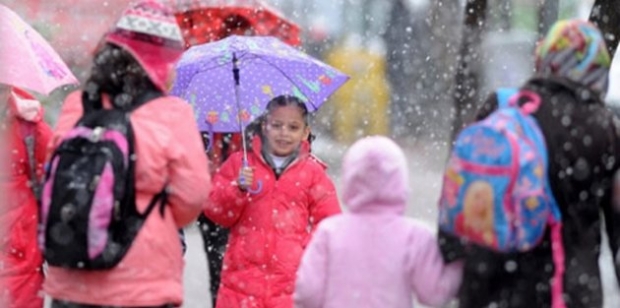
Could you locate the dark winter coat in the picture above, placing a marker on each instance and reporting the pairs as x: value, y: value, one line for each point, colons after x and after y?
x: 584, y: 153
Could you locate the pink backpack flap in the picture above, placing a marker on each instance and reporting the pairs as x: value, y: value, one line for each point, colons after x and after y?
x: 496, y: 192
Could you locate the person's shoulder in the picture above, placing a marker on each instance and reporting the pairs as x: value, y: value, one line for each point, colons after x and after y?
x: 314, y: 162
x: 331, y: 223
x: 172, y: 99
x: 169, y: 109
x: 171, y: 102
x: 235, y: 158
x: 74, y: 96
x: 70, y: 112
x: 419, y: 227
x: 73, y: 100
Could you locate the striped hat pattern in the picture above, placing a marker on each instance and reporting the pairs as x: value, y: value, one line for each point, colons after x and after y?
x: 575, y: 49
x: 149, y: 31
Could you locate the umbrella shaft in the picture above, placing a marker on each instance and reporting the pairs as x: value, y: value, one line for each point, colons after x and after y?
x: 242, y: 128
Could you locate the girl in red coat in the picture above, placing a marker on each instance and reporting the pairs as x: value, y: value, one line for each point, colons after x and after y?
x: 271, y: 208
x: 27, y: 136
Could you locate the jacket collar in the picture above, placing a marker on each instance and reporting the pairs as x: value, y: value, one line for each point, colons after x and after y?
x: 257, y: 147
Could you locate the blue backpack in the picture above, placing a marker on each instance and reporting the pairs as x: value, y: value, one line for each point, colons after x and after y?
x: 496, y: 192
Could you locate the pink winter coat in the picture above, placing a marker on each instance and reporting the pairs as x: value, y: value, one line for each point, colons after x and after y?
x: 373, y: 256
x: 169, y: 150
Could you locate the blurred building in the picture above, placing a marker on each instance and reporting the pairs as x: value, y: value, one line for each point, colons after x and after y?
x: 509, y: 59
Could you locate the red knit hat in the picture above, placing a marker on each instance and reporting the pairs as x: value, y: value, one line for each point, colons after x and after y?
x: 149, y: 31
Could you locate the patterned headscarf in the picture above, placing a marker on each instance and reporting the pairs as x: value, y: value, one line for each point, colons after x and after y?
x: 575, y: 49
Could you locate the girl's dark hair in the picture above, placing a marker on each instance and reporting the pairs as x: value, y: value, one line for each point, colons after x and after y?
x: 115, y: 72
x: 291, y: 100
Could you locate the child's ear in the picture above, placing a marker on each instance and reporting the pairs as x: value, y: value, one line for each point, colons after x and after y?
x: 306, y: 132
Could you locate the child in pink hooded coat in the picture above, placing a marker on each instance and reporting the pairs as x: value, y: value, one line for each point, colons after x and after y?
x: 373, y: 256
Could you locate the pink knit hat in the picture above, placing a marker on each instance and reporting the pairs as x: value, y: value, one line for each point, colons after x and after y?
x: 149, y: 31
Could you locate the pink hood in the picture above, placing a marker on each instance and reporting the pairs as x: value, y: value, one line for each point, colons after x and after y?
x: 375, y: 177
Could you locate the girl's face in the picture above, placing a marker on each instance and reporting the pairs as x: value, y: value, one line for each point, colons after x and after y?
x: 285, y: 129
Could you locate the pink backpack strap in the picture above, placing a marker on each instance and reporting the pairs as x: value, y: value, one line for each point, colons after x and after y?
x: 532, y: 104
x: 559, y: 258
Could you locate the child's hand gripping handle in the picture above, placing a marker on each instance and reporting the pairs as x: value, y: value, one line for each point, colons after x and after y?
x: 246, y: 179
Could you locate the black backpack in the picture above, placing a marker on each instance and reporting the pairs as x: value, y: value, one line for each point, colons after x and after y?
x: 89, y: 217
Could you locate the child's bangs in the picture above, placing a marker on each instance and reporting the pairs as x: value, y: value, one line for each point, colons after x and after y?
x: 287, y: 100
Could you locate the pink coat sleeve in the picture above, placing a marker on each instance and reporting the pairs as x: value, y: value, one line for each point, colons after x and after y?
x: 189, y: 177
x: 226, y: 201
x: 312, y: 273
x: 434, y: 282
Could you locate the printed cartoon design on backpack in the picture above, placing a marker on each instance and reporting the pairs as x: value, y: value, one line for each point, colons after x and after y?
x: 496, y: 192
x: 88, y: 213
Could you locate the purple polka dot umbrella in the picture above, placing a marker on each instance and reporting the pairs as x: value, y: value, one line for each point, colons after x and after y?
x: 229, y: 82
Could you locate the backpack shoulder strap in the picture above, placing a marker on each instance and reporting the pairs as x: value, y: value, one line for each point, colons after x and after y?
x: 159, y: 200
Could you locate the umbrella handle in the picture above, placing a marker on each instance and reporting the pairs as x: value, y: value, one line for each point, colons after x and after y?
x: 211, y: 137
x: 259, y: 183
x: 259, y: 188
x: 237, y: 100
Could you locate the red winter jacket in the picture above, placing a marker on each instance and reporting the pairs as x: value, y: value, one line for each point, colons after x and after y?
x: 21, y: 276
x: 269, y: 229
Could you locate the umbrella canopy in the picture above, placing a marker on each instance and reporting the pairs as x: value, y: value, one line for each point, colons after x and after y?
x: 204, y: 21
x: 26, y: 58
x: 267, y: 68
x: 73, y: 27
